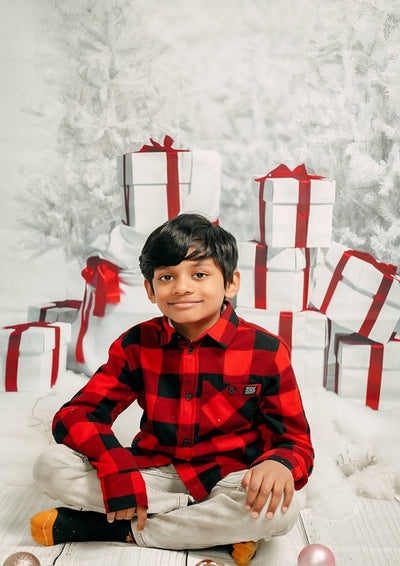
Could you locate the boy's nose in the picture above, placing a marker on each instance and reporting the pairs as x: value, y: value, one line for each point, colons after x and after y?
x: 182, y: 285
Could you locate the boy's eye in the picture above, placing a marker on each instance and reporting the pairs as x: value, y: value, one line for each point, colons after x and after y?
x: 199, y: 275
x: 165, y: 277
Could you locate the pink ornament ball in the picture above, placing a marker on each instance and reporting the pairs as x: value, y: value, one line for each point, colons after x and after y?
x: 21, y: 559
x: 209, y: 562
x: 316, y: 555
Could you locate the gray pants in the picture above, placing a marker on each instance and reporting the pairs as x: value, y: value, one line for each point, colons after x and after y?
x: 172, y: 522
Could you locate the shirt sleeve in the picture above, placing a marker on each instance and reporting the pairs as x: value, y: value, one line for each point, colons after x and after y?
x: 284, y: 427
x: 84, y: 424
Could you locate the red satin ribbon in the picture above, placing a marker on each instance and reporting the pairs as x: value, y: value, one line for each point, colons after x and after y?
x: 387, y: 270
x: 173, y: 198
x: 11, y: 373
x: 303, y: 205
x: 104, y: 277
x: 70, y: 303
x: 306, y: 283
x: 260, y: 277
x: 374, y: 376
x: 286, y: 328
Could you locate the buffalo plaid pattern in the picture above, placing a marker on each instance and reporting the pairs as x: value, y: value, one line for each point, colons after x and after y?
x: 222, y: 403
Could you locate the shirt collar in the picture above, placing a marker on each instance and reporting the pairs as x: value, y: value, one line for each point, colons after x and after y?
x: 222, y: 331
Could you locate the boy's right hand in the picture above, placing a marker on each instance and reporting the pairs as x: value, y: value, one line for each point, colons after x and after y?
x: 128, y: 514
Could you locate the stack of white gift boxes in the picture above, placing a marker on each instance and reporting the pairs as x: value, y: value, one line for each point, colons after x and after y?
x: 278, y: 268
x: 335, y: 308
x: 327, y: 302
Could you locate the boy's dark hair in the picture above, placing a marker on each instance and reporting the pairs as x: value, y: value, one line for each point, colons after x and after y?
x: 169, y: 245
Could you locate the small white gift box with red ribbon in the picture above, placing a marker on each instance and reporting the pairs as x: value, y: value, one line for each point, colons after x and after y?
x: 114, y: 300
x: 358, y: 292
x: 277, y: 279
x: 55, y: 311
x: 32, y: 355
x: 295, y: 209
x: 306, y: 334
x: 159, y: 182
x: 367, y: 371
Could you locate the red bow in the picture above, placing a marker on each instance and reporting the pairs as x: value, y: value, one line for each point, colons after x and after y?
x: 103, y: 276
x: 156, y: 146
x: 299, y: 173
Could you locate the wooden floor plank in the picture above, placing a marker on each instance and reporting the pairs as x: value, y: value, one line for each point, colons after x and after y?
x: 370, y: 536
x: 17, y: 505
x: 108, y: 553
x: 280, y: 551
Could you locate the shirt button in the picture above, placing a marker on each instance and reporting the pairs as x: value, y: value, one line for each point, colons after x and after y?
x: 231, y: 390
x: 188, y: 396
x: 185, y: 442
x: 190, y: 349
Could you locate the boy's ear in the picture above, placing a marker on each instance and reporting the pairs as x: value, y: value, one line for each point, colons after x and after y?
x: 232, y: 288
x: 149, y: 291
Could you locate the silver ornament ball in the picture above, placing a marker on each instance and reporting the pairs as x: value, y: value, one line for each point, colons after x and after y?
x: 21, y: 559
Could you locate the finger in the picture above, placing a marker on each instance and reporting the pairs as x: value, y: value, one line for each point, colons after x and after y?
x: 111, y: 517
x: 289, y: 492
x: 141, y: 518
x: 262, y: 498
x: 246, y: 479
x: 252, y: 492
x: 274, y: 502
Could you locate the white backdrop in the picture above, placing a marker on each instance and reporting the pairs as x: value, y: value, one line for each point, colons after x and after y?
x: 22, y: 280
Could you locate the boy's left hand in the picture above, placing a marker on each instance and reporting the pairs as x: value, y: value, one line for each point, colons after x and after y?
x: 268, y: 477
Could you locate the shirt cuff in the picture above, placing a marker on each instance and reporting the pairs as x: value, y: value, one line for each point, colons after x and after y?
x: 123, y: 490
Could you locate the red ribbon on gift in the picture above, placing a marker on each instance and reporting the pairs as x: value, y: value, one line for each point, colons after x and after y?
x: 11, y: 373
x: 104, y: 277
x: 68, y: 303
x: 303, y: 205
x: 260, y: 277
x: 286, y: 328
x: 388, y: 271
x: 374, y: 377
x: 173, y: 196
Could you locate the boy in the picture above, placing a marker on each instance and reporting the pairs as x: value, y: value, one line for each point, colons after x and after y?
x: 223, y: 439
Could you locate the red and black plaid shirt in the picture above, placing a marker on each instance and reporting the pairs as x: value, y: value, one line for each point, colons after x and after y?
x: 222, y: 403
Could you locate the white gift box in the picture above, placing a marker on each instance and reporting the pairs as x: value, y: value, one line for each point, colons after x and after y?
x: 152, y: 193
x: 306, y: 334
x: 276, y: 279
x: 367, y: 371
x: 358, y: 293
x: 33, y: 355
x: 293, y: 212
x: 115, y: 298
x: 55, y: 311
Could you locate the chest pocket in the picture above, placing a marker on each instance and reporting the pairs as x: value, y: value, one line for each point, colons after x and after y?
x: 227, y: 407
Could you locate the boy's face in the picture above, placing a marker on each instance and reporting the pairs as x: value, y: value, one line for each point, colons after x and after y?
x: 191, y: 294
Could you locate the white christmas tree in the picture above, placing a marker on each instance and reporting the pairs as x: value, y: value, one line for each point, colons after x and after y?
x: 353, y: 123
x: 217, y: 75
x: 108, y: 88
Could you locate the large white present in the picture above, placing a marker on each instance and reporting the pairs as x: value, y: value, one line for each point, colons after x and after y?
x: 358, y: 292
x: 114, y: 300
x: 277, y: 279
x: 368, y: 371
x: 160, y: 182
x: 294, y: 209
x: 306, y: 334
x: 32, y: 355
x: 65, y: 310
